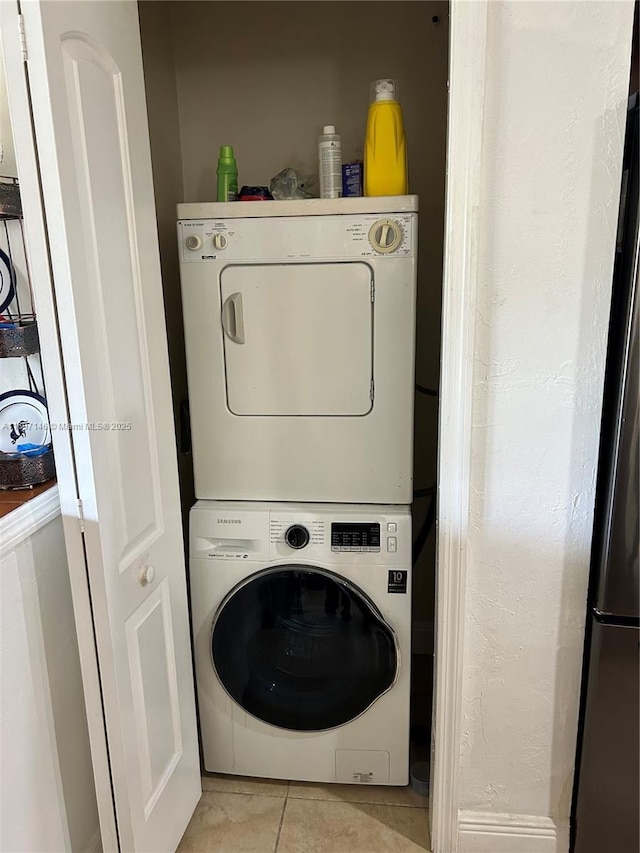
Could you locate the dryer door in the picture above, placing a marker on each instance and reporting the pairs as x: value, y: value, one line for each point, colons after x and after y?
x: 298, y: 338
x: 302, y: 649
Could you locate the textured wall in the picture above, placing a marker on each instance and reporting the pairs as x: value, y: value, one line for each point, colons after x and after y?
x: 557, y: 76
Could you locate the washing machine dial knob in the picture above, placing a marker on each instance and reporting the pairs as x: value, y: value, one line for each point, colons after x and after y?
x: 220, y: 241
x: 385, y: 236
x: 297, y: 536
x: 193, y: 242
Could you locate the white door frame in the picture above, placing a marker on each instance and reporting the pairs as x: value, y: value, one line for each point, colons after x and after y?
x: 468, y: 23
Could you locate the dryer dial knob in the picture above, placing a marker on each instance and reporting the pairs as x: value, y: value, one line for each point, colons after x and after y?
x: 193, y: 242
x: 385, y: 236
x: 220, y: 241
x: 297, y: 536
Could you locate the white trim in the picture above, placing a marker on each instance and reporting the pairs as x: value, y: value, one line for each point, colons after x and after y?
x: 464, y: 146
x: 23, y: 522
x: 482, y: 832
x: 422, y: 637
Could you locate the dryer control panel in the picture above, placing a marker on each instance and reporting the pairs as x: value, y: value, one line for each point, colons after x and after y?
x: 300, y: 238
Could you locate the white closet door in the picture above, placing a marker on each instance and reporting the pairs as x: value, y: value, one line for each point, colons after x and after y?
x: 87, y: 88
x: 298, y: 338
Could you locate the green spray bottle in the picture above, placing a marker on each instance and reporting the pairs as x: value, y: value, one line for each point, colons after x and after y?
x: 227, y: 173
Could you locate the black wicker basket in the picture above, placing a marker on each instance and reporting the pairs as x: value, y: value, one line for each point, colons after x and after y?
x: 10, y: 204
x: 21, y: 472
x: 20, y: 341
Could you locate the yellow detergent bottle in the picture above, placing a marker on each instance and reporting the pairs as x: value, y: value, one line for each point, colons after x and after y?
x: 385, y: 148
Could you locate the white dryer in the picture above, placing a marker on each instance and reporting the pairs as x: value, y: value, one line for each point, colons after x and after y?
x: 302, y: 630
x: 300, y: 334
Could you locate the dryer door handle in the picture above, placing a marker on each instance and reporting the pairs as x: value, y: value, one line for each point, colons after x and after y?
x: 233, y: 318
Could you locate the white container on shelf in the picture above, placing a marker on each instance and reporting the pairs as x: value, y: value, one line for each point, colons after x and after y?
x: 330, y: 163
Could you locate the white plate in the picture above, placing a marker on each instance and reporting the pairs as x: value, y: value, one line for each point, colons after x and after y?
x: 24, y: 419
x: 7, y: 281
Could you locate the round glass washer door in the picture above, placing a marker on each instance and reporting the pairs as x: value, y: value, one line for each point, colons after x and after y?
x: 302, y: 649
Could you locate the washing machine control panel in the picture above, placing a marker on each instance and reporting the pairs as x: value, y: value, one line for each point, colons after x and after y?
x: 290, y: 533
x: 355, y: 537
x: 297, y: 536
x: 329, y: 534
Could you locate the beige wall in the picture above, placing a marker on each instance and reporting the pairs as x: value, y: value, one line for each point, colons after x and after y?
x: 166, y: 157
x: 264, y: 77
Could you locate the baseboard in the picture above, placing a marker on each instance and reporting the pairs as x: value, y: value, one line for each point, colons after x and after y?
x: 486, y: 832
x: 422, y: 638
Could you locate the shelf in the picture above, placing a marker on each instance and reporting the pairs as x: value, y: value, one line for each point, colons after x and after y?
x: 11, y: 500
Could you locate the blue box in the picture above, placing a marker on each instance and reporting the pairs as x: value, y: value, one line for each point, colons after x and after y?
x: 352, y: 179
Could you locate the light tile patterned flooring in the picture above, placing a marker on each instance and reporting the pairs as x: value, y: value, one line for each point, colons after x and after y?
x: 241, y: 815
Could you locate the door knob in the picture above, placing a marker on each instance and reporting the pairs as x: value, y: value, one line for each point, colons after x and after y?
x: 147, y: 574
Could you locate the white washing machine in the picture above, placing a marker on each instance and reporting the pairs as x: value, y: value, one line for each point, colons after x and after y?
x: 300, y: 334
x: 302, y: 631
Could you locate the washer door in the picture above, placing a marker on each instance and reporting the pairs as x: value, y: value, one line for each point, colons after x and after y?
x: 302, y: 649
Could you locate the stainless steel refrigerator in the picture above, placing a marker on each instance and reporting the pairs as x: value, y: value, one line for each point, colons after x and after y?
x: 606, y: 815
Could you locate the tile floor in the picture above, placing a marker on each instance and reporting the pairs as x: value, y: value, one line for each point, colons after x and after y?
x: 241, y: 815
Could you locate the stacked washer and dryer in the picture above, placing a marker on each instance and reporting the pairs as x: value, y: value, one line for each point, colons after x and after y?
x: 300, y: 337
